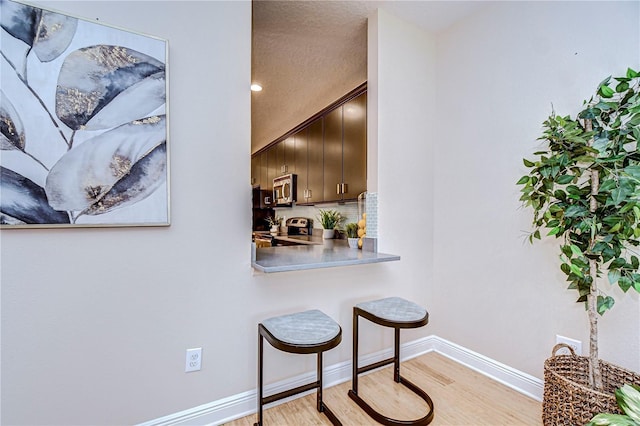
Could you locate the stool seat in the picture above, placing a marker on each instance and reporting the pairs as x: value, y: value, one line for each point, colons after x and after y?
x: 394, y: 309
x: 303, y: 328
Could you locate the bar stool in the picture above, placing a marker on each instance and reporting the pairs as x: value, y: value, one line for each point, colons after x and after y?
x: 299, y: 333
x: 397, y: 313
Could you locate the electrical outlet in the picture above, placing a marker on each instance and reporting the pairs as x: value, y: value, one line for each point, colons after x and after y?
x: 575, y: 344
x: 194, y: 360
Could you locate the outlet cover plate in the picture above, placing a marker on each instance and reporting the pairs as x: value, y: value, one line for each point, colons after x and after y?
x: 575, y: 344
x: 194, y: 360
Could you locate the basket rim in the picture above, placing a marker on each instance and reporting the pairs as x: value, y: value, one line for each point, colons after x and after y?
x: 549, y: 368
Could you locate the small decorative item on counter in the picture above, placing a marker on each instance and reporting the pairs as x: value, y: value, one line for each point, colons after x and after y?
x: 330, y: 221
x: 274, y: 224
x: 352, y: 234
x: 362, y: 229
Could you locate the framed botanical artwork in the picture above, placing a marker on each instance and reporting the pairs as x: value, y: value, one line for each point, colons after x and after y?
x: 83, y: 122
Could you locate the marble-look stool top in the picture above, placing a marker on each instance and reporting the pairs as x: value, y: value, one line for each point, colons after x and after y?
x: 394, y: 309
x: 303, y: 328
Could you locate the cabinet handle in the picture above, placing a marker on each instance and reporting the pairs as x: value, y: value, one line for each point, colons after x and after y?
x: 337, y: 188
x: 267, y: 200
x: 345, y: 188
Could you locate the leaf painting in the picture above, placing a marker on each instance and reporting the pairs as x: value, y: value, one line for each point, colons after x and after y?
x: 103, y: 86
x: 48, y: 33
x: 11, y: 128
x: 25, y: 202
x: 85, y: 113
x: 90, y: 177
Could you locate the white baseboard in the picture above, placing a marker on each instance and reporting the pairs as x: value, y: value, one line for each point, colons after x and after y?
x: 243, y: 404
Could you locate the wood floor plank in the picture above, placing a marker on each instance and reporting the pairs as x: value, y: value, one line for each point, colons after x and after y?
x: 462, y: 397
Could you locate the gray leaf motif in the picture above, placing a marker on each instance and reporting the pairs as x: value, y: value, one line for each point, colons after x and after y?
x: 19, y: 20
x: 49, y: 33
x: 25, y: 202
x: 144, y: 178
x: 11, y: 128
x: 94, y: 77
x: 90, y: 177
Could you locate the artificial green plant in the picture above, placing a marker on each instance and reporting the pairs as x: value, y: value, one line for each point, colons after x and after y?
x: 628, y: 398
x: 584, y: 189
x: 352, y: 230
x: 330, y: 219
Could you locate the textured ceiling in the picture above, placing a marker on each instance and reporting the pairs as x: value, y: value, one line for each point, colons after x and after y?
x: 307, y: 54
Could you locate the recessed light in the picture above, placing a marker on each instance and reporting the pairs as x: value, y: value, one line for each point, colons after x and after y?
x: 256, y: 87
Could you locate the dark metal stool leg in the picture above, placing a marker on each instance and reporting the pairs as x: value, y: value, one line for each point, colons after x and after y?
x: 396, y: 356
x: 260, y: 352
x: 319, y: 392
x: 354, y: 377
x: 320, y: 404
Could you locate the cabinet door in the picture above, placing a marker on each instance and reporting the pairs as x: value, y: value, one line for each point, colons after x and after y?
x: 333, y: 155
x: 265, y: 183
x: 289, y: 161
x: 354, y: 154
x: 280, y: 162
x: 315, y: 156
x: 273, y: 166
x: 255, y: 170
x: 300, y: 163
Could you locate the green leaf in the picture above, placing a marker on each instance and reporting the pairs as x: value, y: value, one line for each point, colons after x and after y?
x: 624, y: 283
x: 632, y: 74
x: 618, y: 263
x: 564, y: 179
x: 604, y: 304
x: 633, y: 170
x: 528, y: 163
x: 523, y: 180
x: 606, y: 91
x: 618, y: 195
x: 576, y: 250
x: 576, y: 270
x: 628, y: 398
x: 554, y: 231
x: 622, y: 87
x: 604, y: 419
x: 576, y: 210
x: 635, y: 120
x: 607, y: 185
x: 614, y: 276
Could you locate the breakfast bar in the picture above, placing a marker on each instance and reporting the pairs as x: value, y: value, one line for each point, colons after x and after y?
x: 330, y: 254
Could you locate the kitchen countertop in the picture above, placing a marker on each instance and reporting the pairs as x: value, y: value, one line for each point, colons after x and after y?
x: 330, y: 253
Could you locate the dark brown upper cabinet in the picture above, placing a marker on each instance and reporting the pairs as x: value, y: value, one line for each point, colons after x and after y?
x: 328, y: 153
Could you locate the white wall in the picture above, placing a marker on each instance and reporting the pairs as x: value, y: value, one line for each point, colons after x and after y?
x: 499, y: 72
x: 95, y: 322
x: 402, y: 118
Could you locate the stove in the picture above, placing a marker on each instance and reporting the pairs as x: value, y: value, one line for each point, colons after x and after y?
x: 299, y: 226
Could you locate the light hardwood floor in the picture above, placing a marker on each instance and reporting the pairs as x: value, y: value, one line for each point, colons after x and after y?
x: 461, y: 397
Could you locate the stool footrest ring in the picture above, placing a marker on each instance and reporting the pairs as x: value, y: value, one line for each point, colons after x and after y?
x: 387, y: 421
x: 285, y: 394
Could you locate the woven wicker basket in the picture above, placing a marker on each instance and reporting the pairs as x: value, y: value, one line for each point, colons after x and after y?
x: 568, y: 400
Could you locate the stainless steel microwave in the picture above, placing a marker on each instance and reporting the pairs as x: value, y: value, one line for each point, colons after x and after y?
x: 284, y: 190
